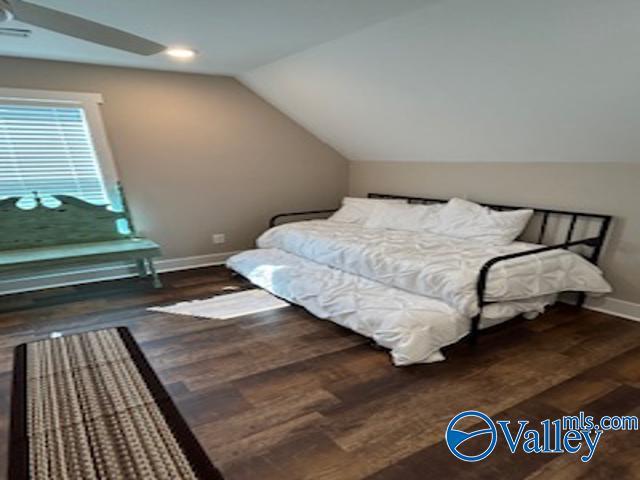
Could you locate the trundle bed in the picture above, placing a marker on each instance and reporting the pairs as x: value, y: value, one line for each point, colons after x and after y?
x: 417, y: 289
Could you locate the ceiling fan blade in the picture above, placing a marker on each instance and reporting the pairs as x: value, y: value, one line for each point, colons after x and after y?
x: 78, y: 27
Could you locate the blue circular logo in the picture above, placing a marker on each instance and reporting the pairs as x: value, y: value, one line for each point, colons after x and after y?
x: 456, y: 438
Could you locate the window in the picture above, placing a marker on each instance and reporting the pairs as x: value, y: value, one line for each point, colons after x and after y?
x: 53, y: 143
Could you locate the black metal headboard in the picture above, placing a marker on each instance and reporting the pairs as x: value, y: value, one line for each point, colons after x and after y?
x: 544, y: 215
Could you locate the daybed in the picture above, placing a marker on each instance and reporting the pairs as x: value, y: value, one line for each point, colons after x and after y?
x: 417, y: 274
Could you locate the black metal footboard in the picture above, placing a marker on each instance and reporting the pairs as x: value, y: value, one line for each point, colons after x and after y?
x: 481, y: 284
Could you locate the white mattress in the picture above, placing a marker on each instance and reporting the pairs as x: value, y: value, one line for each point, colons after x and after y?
x: 435, y: 266
x: 413, y: 327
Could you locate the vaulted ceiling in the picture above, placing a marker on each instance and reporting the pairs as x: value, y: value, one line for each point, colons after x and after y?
x: 231, y: 36
x: 405, y: 80
x: 469, y: 80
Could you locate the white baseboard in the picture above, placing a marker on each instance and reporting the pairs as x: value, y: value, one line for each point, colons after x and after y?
x: 613, y: 306
x: 63, y: 278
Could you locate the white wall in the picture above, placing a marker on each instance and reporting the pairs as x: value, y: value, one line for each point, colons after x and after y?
x: 471, y: 80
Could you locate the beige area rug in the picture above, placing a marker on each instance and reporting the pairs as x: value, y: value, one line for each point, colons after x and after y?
x: 89, y: 406
x: 230, y: 305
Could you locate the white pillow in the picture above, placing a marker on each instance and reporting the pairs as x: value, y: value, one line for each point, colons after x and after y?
x: 358, y: 210
x: 411, y: 217
x: 463, y: 219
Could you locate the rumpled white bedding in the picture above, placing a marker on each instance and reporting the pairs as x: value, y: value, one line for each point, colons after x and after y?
x: 435, y: 266
x: 413, y: 327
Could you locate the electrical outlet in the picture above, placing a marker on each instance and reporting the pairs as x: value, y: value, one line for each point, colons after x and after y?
x: 218, y: 238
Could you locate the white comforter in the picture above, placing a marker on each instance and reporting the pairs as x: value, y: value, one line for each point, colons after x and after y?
x: 413, y: 327
x: 435, y: 266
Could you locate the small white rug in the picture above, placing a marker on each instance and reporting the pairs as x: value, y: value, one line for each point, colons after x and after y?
x: 222, y: 307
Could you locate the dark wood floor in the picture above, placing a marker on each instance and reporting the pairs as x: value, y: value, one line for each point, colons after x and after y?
x: 282, y: 395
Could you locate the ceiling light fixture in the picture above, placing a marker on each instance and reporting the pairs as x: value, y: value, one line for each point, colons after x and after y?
x: 181, y: 53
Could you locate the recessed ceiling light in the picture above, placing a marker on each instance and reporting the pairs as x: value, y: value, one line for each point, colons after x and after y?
x: 181, y: 53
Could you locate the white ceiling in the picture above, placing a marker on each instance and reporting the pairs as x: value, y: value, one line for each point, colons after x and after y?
x: 232, y: 36
x: 470, y: 80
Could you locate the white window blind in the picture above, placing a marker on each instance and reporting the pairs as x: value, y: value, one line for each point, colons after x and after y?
x: 48, y: 150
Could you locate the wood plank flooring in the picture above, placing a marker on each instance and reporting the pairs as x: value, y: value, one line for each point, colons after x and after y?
x: 282, y: 395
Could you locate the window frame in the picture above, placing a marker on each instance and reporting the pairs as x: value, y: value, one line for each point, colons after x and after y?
x: 90, y: 104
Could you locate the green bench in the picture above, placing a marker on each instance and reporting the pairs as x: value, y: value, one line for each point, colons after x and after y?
x: 73, y: 233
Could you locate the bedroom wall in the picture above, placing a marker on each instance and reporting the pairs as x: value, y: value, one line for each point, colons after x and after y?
x: 612, y: 188
x: 197, y: 154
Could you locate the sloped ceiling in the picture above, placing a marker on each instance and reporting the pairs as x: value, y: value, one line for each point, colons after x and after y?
x: 231, y: 36
x: 469, y: 80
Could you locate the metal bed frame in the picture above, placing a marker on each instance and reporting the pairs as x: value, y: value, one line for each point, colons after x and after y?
x: 595, y: 243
